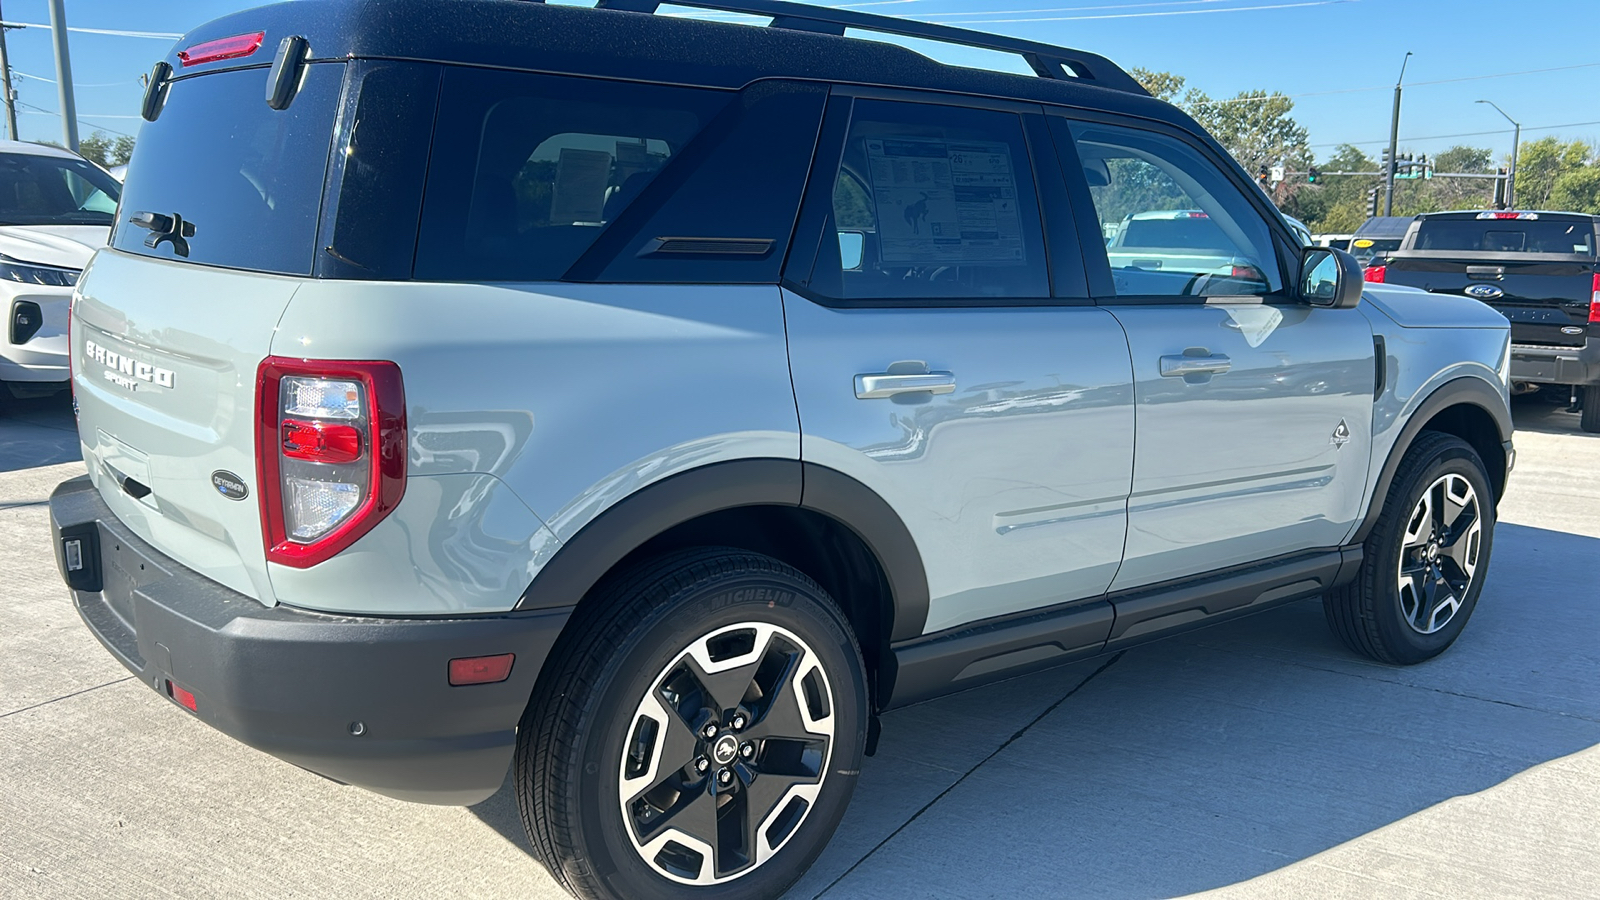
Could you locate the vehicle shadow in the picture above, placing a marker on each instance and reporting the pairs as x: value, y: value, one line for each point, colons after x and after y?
x: 1537, y: 412
x: 1214, y: 757
x: 39, y: 432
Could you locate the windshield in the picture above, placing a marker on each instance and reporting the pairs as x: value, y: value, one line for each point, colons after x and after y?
x: 1507, y: 235
x: 51, y: 190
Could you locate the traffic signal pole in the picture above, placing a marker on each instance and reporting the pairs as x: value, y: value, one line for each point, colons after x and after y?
x: 1394, y: 141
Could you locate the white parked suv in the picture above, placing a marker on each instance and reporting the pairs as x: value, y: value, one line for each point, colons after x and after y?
x: 56, y: 209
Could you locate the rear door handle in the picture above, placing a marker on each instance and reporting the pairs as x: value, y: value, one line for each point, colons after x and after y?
x: 874, y: 387
x: 1184, y: 366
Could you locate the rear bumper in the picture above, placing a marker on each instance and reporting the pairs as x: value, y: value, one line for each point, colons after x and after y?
x: 1556, y: 365
x: 295, y: 684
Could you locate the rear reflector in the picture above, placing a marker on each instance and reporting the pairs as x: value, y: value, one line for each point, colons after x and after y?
x: 1594, y: 301
x: 239, y: 45
x: 481, y: 669
x: 328, y: 442
x: 183, y: 697
x: 1375, y: 274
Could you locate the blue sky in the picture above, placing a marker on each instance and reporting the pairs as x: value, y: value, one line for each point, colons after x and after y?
x: 1339, y: 58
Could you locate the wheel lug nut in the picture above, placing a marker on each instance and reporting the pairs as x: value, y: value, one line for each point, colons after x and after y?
x: 709, y: 731
x: 701, y: 765
x: 739, y: 722
x: 747, y: 751
x: 724, y: 777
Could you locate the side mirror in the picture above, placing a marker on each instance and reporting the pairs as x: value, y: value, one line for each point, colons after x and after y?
x: 1330, y: 278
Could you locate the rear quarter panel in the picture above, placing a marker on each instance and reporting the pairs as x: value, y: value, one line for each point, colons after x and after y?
x: 530, y: 410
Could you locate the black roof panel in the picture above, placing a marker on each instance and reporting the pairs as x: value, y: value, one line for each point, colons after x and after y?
x: 621, y: 44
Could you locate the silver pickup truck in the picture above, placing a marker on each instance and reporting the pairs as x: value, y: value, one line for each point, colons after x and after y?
x: 643, y: 405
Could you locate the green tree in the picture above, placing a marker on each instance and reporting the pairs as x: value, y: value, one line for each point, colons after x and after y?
x: 1161, y: 85
x: 106, y: 150
x: 1550, y: 169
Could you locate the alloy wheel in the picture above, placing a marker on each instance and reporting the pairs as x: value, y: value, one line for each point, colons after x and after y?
x: 1439, y: 553
x: 726, y: 753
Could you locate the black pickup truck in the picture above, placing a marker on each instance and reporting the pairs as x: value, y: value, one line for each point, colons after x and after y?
x: 1539, y: 269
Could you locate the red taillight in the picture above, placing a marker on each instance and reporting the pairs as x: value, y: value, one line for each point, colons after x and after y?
x: 324, y: 442
x: 330, y: 454
x: 1248, y: 273
x: 1375, y: 274
x: 481, y: 669
x: 234, y: 47
x: 185, y: 698
x: 1594, y: 300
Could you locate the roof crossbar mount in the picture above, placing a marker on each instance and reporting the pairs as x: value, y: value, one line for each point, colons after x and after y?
x: 1046, y: 60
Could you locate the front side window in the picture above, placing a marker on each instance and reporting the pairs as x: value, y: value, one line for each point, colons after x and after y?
x: 1172, y: 224
x: 50, y: 190
x: 528, y: 169
x: 933, y: 202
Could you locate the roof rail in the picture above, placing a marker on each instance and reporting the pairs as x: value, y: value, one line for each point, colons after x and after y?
x: 1046, y: 60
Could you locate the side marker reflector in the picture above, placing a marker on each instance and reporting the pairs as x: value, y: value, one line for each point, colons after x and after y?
x: 481, y: 669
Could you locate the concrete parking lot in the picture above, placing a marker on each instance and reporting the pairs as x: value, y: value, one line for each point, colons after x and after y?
x: 1256, y: 759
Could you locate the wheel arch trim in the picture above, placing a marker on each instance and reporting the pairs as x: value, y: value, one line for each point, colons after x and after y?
x: 628, y: 524
x: 1465, y: 390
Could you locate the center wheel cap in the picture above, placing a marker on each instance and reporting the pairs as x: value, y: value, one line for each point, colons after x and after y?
x: 725, y: 749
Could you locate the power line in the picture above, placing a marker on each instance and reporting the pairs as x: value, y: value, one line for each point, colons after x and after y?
x: 116, y: 32
x: 1437, y: 137
x: 39, y: 110
x: 75, y: 84
x: 1410, y: 85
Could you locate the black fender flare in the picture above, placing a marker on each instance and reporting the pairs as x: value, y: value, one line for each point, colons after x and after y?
x: 1465, y: 390
x: 629, y: 523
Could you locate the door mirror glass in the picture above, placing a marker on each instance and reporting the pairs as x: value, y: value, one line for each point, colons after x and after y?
x: 1330, y: 278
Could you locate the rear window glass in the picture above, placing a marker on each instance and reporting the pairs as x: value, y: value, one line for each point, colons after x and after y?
x: 528, y: 170
x: 48, y: 190
x: 247, y: 177
x: 1507, y: 235
x: 1186, y: 229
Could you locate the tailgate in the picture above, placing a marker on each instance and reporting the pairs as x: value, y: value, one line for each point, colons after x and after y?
x: 165, y: 357
x: 1547, y: 302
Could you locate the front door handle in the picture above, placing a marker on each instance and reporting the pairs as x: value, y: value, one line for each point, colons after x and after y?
x: 1184, y: 366
x: 874, y: 387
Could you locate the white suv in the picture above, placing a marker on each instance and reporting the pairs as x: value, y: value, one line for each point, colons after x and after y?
x: 56, y: 209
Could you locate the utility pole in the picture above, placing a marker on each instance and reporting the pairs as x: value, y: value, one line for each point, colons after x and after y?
x: 5, y: 84
x: 69, y: 108
x: 1394, y: 140
x: 1516, y: 144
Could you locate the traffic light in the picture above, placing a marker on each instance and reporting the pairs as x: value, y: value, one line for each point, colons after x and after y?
x: 1372, y: 202
x: 1500, y: 189
x: 1383, y: 164
x: 1264, y: 178
x: 1312, y: 175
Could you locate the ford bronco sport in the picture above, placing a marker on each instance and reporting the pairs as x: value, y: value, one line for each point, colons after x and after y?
x: 643, y: 405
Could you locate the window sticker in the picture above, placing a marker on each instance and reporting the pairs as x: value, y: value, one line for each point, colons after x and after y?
x: 943, y: 201
x: 580, y: 188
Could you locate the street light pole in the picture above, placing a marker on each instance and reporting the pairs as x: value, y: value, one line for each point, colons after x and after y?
x: 1516, y: 144
x: 5, y: 86
x: 69, y: 107
x: 1394, y: 141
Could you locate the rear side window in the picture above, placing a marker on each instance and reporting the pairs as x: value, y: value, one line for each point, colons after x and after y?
x: 49, y: 190
x: 1507, y: 236
x: 247, y: 177
x: 528, y: 170
x: 933, y: 202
